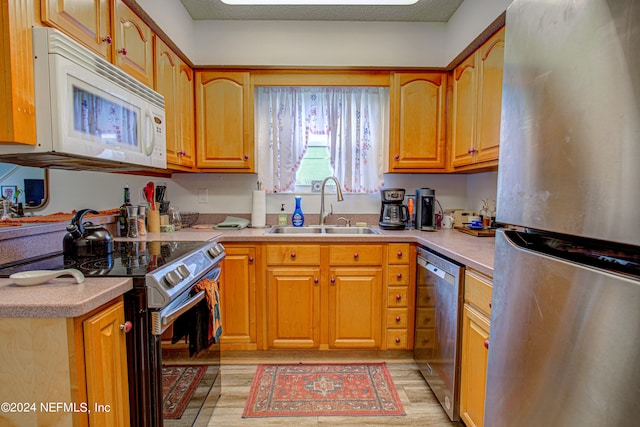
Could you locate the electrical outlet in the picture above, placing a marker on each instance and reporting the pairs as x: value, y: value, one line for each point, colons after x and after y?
x: 203, y: 195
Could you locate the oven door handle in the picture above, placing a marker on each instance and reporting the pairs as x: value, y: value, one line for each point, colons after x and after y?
x: 160, y: 321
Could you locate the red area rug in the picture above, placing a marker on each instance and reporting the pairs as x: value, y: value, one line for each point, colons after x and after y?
x: 322, y: 389
x: 179, y: 382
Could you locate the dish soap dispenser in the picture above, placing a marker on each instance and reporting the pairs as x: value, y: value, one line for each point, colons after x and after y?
x: 282, y: 216
x: 298, y: 217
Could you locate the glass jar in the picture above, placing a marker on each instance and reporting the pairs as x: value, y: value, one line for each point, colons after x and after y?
x: 132, y: 221
x: 142, y: 217
x: 174, y: 217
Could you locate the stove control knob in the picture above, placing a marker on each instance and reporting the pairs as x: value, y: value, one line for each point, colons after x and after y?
x: 173, y: 278
x: 220, y: 247
x: 213, y: 252
x: 183, y: 270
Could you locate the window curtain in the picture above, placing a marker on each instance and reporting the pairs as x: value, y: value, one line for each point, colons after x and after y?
x: 353, y: 119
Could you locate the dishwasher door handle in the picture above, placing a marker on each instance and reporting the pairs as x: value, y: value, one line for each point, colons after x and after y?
x: 435, y: 270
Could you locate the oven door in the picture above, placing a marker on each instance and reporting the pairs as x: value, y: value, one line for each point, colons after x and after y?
x: 165, y: 317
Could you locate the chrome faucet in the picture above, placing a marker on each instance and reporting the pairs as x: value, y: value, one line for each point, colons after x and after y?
x: 323, y: 214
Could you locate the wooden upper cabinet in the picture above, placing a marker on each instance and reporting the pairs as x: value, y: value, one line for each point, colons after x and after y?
x: 417, y: 116
x: 224, y: 121
x: 490, y: 70
x: 87, y: 21
x: 17, y: 95
x: 133, y: 44
x: 174, y: 80
x: 477, y: 106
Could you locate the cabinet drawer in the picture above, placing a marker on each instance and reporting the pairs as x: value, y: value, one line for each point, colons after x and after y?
x: 425, y: 317
x: 399, y: 253
x: 398, y: 275
x: 355, y: 255
x: 396, y: 339
x: 424, y: 338
x: 477, y: 291
x: 293, y: 254
x: 397, y: 317
x: 426, y: 296
x: 397, y: 296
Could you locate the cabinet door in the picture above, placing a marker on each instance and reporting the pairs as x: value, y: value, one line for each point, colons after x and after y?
x: 106, y: 367
x: 473, y: 375
x: 166, y: 75
x: 490, y: 67
x: 463, y: 114
x: 224, y: 121
x: 87, y: 21
x: 238, y: 298
x: 355, y: 307
x: 186, y: 116
x: 17, y: 102
x: 133, y: 41
x: 293, y: 306
x: 417, y: 128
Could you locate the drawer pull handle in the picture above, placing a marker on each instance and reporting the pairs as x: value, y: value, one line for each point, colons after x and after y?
x: 356, y: 255
x: 126, y: 326
x: 399, y: 276
x: 293, y: 254
x: 398, y: 297
x: 397, y: 318
x: 486, y: 344
x: 397, y: 340
x: 399, y: 254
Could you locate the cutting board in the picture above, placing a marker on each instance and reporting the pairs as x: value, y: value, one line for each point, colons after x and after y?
x: 485, y: 232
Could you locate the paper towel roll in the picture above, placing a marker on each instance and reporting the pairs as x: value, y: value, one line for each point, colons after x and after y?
x: 259, y: 209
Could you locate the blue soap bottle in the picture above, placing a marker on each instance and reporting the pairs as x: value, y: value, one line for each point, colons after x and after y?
x: 298, y: 217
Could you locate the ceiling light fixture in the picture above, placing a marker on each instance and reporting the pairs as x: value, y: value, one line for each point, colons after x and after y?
x: 319, y: 2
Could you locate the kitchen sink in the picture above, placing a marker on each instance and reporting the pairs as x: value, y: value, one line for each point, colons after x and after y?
x: 316, y: 229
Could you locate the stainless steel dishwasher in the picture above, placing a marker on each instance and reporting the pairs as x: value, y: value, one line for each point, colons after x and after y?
x: 437, y: 329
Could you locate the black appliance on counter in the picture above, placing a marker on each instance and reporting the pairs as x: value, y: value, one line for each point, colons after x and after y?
x: 393, y: 212
x: 426, y: 209
x: 164, y: 275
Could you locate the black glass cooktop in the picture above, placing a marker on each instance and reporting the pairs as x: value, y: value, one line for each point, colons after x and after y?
x: 129, y: 259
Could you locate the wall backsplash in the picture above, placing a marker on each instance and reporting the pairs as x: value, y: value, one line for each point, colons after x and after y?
x: 231, y: 193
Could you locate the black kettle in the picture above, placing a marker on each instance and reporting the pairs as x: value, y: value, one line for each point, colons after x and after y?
x: 86, y: 239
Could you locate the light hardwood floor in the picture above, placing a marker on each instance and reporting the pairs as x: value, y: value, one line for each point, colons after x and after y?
x: 238, y: 369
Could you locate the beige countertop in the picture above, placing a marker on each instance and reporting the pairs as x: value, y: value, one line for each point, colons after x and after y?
x: 473, y: 252
x: 61, y: 297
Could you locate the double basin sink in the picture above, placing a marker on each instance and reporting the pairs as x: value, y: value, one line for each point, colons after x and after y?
x: 316, y: 229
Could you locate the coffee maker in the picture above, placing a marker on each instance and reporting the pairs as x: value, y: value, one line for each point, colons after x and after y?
x: 425, y: 209
x: 393, y: 212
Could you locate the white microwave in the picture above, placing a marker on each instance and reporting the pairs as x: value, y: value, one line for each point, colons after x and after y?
x: 89, y: 114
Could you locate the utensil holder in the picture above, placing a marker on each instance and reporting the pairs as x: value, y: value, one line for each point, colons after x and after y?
x: 153, y: 221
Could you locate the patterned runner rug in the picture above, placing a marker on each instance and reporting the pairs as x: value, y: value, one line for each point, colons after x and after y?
x: 179, y: 382
x: 322, y: 389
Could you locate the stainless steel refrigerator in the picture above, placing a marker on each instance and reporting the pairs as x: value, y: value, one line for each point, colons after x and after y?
x: 564, y: 348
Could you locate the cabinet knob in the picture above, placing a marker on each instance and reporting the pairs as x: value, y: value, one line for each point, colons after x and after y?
x: 126, y: 326
x: 397, y: 318
x: 356, y: 255
x: 250, y: 259
x: 471, y: 150
x: 397, y: 340
x: 490, y: 304
x: 315, y: 280
x: 399, y: 254
x: 399, y: 276
x: 246, y: 157
x: 107, y: 39
x: 123, y: 51
x: 398, y: 297
x: 332, y: 280
x: 397, y: 157
x: 486, y: 344
x: 293, y: 254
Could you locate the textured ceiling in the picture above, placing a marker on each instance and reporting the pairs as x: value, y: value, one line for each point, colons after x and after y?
x: 422, y: 11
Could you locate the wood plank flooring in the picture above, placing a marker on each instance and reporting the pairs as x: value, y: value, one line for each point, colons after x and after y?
x: 238, y: 369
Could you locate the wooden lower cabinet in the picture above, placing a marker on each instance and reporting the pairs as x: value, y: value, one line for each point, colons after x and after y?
x: 475, y: 348
x: 293, y: 307
x: 80, y: 362
x: 238, y: 298
x: 355, y: 307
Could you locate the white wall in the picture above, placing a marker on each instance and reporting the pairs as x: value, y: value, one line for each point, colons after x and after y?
x: 174, y: 20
